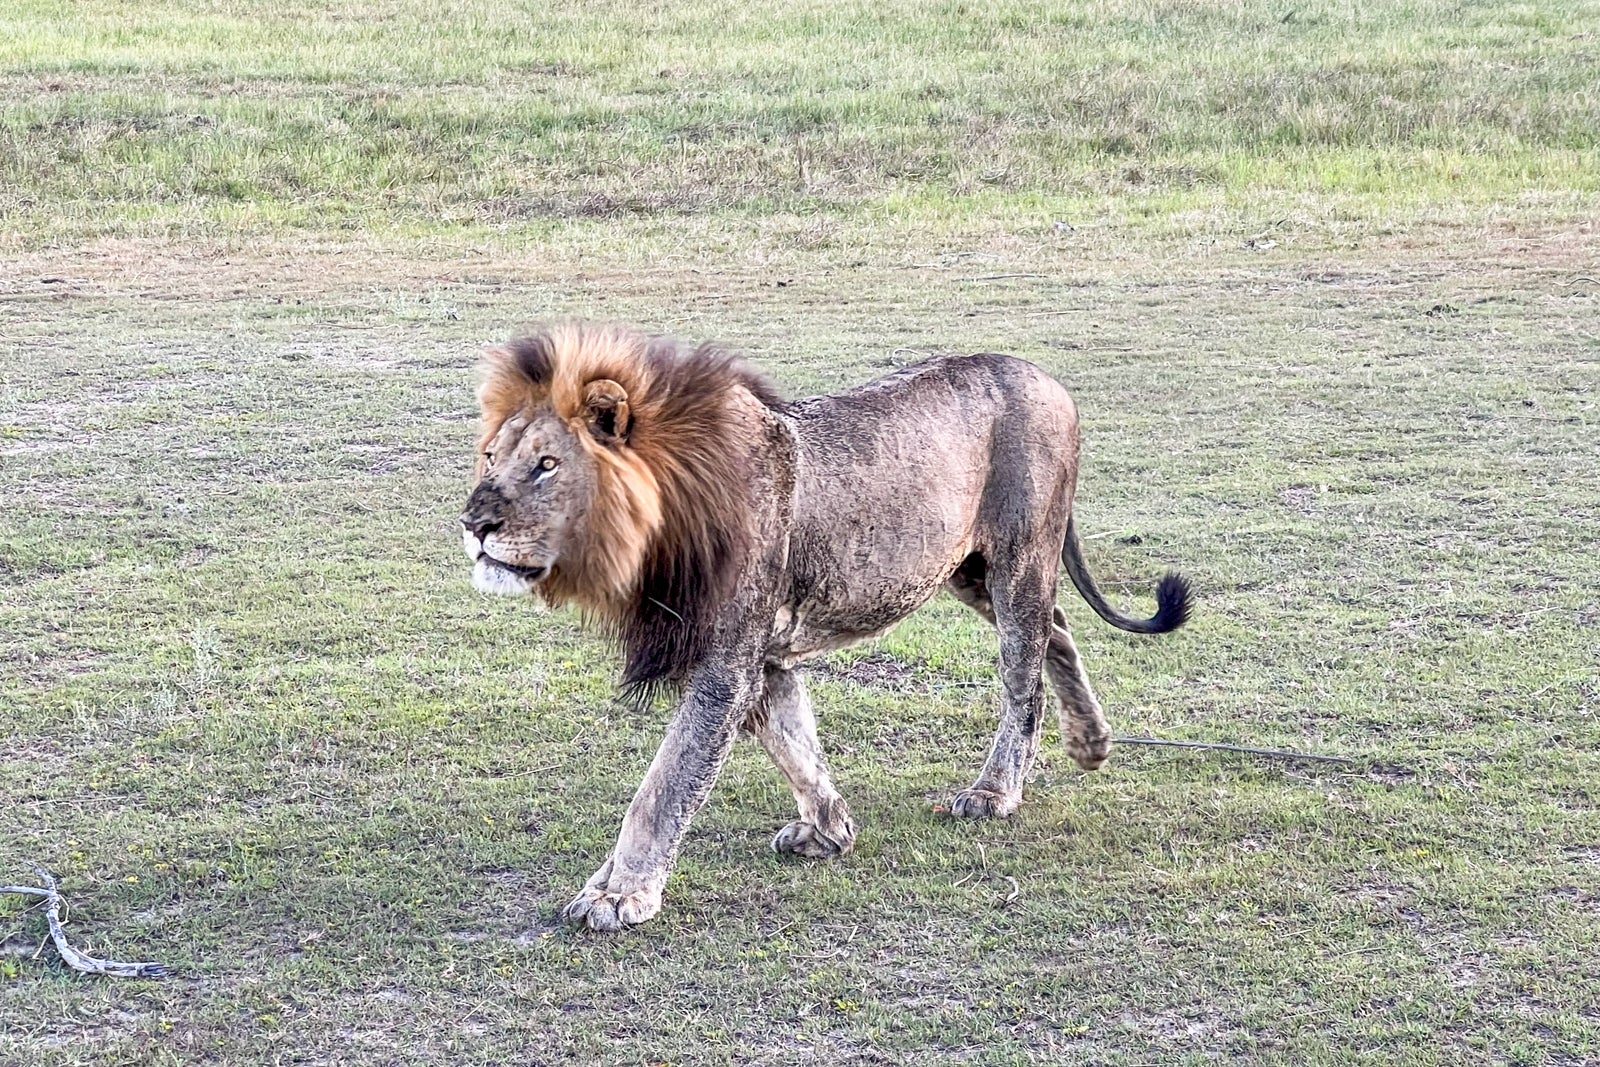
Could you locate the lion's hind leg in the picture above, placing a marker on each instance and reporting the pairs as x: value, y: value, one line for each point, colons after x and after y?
x: 1084, y: 728
x: 1083, y: 723
x: 1018, y: 600
x: 787, y: 729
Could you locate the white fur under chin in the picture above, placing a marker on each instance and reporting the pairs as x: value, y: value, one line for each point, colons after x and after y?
x: 487, y: 578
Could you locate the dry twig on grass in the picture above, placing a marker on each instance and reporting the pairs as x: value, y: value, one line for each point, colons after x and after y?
x: 1274, y: 753
x: 78, y: 961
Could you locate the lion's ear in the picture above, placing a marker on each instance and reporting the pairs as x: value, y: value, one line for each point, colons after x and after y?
x: 605, y: 405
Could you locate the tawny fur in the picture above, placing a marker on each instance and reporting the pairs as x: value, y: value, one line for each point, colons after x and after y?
x: 667, y: 523
x: 727, y: 538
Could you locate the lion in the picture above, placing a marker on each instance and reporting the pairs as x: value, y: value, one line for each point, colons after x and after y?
x: 726, y: 536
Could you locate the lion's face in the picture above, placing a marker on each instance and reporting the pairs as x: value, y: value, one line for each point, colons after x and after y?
x: 536, y: 483
x: 606, y: 466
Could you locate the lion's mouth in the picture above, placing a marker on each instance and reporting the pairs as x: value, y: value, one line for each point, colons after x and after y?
x: 529, y: 574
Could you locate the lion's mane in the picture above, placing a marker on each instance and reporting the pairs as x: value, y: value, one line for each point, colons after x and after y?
x: 669, y: 522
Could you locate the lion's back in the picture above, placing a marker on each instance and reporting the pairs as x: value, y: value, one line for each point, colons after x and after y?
x: 941, y: 419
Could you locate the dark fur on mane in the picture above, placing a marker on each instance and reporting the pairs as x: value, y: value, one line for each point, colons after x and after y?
x: 533, y: 357
x: 692, y: 566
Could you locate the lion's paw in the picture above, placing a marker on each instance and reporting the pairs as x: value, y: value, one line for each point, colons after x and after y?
x: 813, y: 842
x: 983, y: 804
x: 601, y: 909
x: 1089, y: 752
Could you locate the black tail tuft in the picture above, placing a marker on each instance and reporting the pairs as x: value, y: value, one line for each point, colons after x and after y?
x: 1174, y: 598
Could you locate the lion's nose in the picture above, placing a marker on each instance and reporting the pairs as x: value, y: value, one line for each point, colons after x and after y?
x: 480, y: 528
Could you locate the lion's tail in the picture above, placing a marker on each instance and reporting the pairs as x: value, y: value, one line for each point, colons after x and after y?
x: 1172, y: 593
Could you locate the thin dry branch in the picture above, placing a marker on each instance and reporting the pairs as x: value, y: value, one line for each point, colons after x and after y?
x: 1274, y: 753
x: 78, y: 961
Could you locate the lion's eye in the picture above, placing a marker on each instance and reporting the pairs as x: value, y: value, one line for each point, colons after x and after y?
x: 488, y: 459
x: 548, y: 463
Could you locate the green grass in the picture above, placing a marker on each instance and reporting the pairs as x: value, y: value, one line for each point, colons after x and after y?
x: 169, y: 120
x: 1327, y: 301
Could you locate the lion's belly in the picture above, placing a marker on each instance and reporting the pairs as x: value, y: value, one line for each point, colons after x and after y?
x: 868, y: 579
x: 800, y: 634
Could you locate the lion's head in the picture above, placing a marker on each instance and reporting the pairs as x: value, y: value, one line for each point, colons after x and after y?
x: 610, y: 476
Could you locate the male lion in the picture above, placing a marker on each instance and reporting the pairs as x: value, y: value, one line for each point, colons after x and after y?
x: 726, y: 536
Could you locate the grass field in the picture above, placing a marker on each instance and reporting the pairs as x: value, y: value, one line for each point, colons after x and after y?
x: 1323, y: 276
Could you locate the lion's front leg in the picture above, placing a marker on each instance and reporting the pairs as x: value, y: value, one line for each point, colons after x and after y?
x: 627, y: 888
x: 606, y: 904
x: 788, y: 731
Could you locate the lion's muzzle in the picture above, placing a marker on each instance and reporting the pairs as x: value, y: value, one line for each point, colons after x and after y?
x: 490, y: 572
